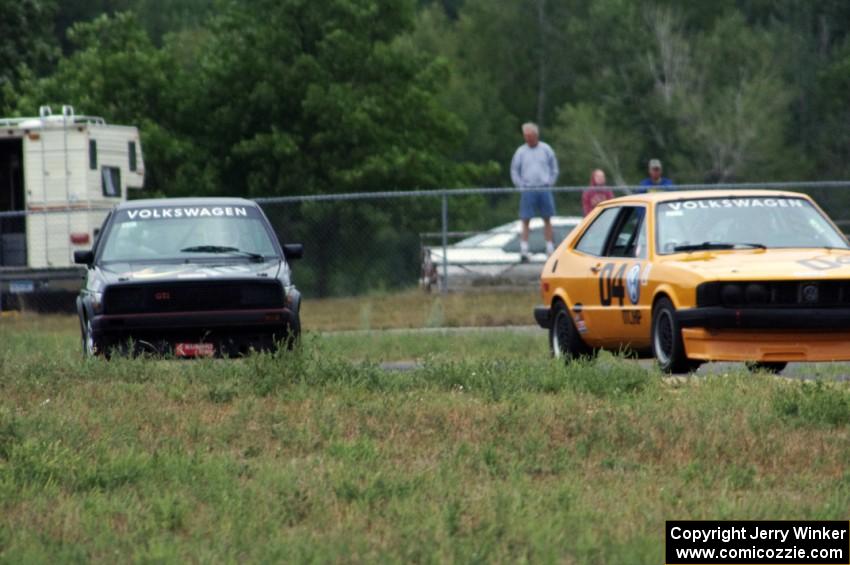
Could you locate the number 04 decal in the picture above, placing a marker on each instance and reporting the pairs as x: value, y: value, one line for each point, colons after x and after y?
x: 611, y: 284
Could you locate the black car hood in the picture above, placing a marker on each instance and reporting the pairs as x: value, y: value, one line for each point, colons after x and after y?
x: 195, y: 271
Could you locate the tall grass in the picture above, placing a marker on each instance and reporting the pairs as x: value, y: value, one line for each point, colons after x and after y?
x: 321, y: 455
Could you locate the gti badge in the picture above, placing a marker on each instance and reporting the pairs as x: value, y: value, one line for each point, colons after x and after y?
x: 809, y: 293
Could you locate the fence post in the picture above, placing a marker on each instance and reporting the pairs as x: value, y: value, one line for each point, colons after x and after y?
x: 445, y: 229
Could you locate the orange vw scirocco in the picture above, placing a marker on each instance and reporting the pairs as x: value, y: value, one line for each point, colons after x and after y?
x: 693, y: 276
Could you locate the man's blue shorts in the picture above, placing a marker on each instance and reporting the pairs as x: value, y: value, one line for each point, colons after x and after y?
x: 536, y: 203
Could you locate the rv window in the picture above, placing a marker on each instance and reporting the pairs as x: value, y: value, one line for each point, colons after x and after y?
x: 111, y: 177
x: 131, y: 149
x: 92, y: 154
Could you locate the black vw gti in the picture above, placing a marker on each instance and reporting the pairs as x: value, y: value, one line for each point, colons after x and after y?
x: 188, y: 277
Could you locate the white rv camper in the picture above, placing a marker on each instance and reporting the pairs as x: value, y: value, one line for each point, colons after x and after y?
x: 59, y: 177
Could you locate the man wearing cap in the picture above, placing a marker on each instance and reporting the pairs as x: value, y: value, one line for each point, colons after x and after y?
x: 655, y: 181
x: 534, y: 169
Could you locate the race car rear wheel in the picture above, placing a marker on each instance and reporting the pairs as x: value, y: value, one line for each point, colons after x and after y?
x: 564, y: 339
x: 774, y: 367
x: 667, y: 343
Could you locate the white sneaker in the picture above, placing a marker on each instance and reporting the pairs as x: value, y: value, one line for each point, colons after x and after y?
x: 550, y: 248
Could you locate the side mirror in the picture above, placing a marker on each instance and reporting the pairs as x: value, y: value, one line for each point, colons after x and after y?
x: 293, y: 251
x: 84, y: 257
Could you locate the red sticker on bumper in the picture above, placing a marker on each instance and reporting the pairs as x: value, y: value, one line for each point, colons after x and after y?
x: 194, y: 350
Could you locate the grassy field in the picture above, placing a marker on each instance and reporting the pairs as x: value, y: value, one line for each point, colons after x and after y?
x: 418, y: 309
x: 489, y: 452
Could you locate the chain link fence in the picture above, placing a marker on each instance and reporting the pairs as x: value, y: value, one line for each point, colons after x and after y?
x: 380, y: 241
x: 374, y: 259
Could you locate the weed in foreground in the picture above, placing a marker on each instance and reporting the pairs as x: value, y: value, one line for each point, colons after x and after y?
x: 817, y: 403
x: 610, y: 376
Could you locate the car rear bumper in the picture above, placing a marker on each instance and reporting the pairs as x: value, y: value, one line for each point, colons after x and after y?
x: 717, y: 317
x: 542, y: 315
x: 766, y: 345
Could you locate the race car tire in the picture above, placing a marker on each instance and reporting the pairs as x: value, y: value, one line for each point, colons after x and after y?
x: 564, y: 339
x: 774, y: 367
x: 668, y: 347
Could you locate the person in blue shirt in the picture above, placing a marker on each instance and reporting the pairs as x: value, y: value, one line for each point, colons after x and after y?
x: 655, y: 181
x: 534, y: 170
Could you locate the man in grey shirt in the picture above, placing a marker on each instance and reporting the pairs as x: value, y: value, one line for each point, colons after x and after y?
x: 534, y: 169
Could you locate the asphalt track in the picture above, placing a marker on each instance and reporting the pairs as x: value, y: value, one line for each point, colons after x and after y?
x: 803, y: 371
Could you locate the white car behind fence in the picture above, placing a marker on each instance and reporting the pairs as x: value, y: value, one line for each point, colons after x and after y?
x: 492, y: 258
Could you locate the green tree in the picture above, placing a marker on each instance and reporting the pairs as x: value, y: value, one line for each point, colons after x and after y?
x: 293, y: 97
x: 491, y: 131
x: 510, y: 62
x: 525, y: 48
x: 163, y: 18
x: 586, y: 138
x: 71, y: 12
x: 730, y: 104
x: 832, y: 104
x: 298, y: 97
x: 158, y: 18
x: 116, y: 72
x: 27, y: 44
x: 611, y: 119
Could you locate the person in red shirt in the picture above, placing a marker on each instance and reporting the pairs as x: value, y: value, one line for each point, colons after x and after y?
x: 598, y: 192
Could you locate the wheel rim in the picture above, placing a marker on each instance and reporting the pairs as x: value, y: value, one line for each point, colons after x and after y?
x: 664, y: 337
x: 560, y: 334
